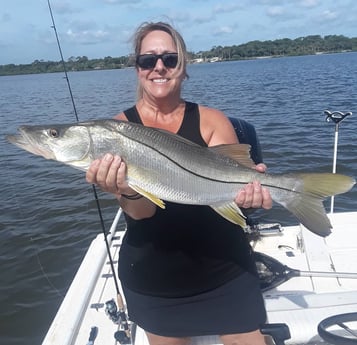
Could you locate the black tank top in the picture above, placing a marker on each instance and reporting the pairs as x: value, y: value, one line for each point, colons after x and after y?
x: 182, y: 250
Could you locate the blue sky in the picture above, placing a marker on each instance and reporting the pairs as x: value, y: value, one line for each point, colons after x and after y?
x: 100, y: 28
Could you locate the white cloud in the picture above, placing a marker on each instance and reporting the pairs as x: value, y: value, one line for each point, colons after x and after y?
x: 275, y: 11
x: 226, y: 8
x: 223, y: 30
x: 88, y: 36
x: 309, y: 3
x: 122, y: 2
x: 327, y: 14
x: 204, y: 18
x: 63, y: 7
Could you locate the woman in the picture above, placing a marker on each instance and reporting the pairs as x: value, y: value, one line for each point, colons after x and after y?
x: 185, y: 270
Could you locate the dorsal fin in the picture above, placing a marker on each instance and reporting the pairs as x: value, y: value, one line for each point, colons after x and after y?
x: 238, y: 152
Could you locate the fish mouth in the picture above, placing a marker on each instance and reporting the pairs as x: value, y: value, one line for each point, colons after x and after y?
x: 29, y: 143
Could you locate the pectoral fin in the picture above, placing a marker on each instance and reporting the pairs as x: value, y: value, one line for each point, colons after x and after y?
x: 232, y: 213
x: 149, y: 196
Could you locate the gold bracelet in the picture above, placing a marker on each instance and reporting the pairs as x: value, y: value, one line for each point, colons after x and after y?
x: 132, y: 197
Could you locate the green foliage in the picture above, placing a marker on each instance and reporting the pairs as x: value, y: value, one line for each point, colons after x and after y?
x: 313, y: 44
x: 79, y: 63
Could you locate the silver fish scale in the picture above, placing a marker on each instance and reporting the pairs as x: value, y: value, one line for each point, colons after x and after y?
x: 168, y: 168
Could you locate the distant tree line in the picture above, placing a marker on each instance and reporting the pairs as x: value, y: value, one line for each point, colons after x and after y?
x: 284, y: 47
x: 80, y: 63
x: 308, y: 45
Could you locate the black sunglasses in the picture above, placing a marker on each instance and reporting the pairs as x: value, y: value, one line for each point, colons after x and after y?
x: 148, y: 61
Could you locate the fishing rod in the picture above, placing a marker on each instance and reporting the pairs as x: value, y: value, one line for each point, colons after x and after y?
x: 336, y: 117
x: 124, y: 337
x: 62, y: 61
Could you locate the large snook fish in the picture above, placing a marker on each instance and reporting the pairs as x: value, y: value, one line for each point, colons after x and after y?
x: 164, y: 166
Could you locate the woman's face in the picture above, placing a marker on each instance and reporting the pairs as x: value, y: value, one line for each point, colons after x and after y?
x: 160, y: 81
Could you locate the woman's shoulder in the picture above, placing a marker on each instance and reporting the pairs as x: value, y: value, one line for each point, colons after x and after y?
x: 128, y: 114
x: 206, y: 111
x: 215, y: 126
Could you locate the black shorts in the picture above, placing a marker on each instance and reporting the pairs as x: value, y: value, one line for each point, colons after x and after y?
x: 235, y: 307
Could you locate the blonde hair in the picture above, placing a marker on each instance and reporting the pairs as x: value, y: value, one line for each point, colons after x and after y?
x: 147, y: 27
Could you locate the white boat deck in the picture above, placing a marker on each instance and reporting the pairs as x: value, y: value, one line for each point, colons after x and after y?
x: 300, y: 302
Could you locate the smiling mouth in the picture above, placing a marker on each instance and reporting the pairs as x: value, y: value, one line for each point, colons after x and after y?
x: 160, y: 80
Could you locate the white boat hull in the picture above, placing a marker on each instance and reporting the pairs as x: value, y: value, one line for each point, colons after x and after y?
x: 300, y: 302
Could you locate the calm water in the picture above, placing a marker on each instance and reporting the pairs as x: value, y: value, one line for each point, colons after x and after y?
x: 48, y: 215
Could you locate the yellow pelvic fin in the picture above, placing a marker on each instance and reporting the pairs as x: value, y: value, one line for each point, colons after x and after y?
x: 149, y: 196
x: 232, y: 213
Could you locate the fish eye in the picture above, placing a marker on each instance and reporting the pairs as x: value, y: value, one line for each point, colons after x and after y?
x: 53, y: 133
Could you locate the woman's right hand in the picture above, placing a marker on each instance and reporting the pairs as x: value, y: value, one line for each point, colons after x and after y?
x: 109, y: 174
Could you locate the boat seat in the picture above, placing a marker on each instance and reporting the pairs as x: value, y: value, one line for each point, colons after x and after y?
x: 278, y: 331
x: 247, y: 135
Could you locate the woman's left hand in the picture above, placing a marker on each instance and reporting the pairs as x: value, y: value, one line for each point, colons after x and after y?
x: 253, y: 195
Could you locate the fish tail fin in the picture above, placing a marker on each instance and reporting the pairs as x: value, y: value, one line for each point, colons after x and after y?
x: 306, y: 201
x: 232, y: 213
